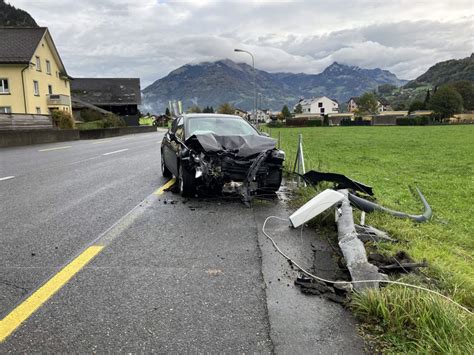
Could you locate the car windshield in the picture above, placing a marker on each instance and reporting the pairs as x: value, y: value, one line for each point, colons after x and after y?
x: 221, y: 126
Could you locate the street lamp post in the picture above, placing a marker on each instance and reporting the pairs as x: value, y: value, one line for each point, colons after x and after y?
x: 254, y: 82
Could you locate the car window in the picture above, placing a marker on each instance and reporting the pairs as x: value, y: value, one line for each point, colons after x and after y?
x: 180, y: 129
x: 221, y: 126
x: 174, y: 125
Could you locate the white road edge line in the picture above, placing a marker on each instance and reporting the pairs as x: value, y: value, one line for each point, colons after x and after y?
x: 6, y: 178
x: 117, y: 151
x: 103, y: 141
x: 57, y: 148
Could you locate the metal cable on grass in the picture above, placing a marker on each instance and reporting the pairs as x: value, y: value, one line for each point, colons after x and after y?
x: 351, y: 282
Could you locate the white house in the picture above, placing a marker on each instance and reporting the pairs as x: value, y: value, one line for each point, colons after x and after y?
x: 319, y: 105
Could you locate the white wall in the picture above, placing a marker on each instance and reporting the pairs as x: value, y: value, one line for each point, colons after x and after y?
x: 321, y: 105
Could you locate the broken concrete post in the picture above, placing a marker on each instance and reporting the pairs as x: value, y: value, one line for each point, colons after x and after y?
x: 354, y: 250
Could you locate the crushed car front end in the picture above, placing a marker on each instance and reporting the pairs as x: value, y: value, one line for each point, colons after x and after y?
x: 250, y: 164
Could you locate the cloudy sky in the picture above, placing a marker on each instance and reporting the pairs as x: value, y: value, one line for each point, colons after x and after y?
x: 150, y: 38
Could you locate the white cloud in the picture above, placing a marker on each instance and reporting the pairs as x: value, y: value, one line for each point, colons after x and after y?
x: 149, y: 38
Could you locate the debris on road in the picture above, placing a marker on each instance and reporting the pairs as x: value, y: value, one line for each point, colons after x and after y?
x: 365, y: 272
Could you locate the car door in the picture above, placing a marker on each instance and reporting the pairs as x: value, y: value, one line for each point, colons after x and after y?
x: 169, y: 154
x: 173, y: 147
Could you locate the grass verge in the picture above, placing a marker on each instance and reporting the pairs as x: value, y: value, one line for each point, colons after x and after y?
x: 439, y: 161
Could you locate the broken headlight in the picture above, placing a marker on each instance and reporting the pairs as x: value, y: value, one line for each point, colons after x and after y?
x: 278, y: 154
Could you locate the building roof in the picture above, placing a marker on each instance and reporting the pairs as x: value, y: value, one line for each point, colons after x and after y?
x: 314, y: 99
x: 107, y: 91
x: 17, y: 45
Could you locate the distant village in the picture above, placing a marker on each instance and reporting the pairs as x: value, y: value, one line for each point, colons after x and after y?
x: 37, y: 92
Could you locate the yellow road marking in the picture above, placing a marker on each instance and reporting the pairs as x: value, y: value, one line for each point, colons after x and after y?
x: 164, y: 187
x: 21, y: 313
x: 57, y: 148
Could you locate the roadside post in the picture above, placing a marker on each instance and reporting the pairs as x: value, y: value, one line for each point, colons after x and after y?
x: 299, y: 161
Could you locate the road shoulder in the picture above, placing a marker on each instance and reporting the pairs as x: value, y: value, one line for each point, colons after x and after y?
x: 300, y: 324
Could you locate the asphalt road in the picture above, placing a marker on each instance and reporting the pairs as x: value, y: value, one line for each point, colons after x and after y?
x: 166, y: 274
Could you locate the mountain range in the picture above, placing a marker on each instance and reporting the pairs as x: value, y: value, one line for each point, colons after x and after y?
x: 446, y: 72
x: 213, y: 83
x: 11, y: 16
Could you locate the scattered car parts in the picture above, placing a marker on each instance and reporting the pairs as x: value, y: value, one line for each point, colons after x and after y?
x: 343, y: 182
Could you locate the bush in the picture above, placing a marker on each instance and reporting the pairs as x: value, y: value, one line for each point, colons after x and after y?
x: 91, y: 125
x: 112, y: 120
x: 303, y: 122
x: 62, y: 119
x: 89, y: 115
x: 414, y: 121
x: 314, y: 123
x: 276, y: 124
x: 357, y: 122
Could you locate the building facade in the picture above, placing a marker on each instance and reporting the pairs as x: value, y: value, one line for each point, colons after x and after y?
x: 33, y: 79
x: 319, y: 105
x: 121, y: 96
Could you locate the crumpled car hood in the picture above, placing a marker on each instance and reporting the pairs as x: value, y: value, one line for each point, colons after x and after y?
x: 243, y: 146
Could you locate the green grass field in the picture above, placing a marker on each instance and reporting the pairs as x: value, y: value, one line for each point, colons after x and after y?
x: 439, y: 160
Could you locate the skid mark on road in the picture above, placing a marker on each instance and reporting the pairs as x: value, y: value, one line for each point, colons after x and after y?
x: 21, y: 313
x: 35, y: 300
x: 6, y: 178
x: 56, y: 148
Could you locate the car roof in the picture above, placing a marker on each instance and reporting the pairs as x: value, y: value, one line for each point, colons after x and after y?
x: 215, y: 115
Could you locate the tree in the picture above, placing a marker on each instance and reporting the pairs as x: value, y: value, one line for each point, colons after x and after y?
x: 208, y: 109
x: 427, y: 98
x: 386, y: 88
x: 367, y: 104
x: 167, y: 112
x: 194, y: 109
x: 466, y: 90
x: 299, y: 108
x: 416, y: 105
x: 445, y: 102
x: 226, y: 109
x: 400, y: 107
x: 285, y: 112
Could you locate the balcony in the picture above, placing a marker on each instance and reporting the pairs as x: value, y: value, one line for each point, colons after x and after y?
x: 58, y: 100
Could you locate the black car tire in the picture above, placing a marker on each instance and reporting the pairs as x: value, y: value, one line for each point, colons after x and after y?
x: 164, y: 170
x: 186, y: 182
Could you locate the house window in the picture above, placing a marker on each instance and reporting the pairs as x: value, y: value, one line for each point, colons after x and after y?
x: 4, y: 88
x: 322, y: 110
x: 50, y: 89
x: 48, y: 67
x: 320, y: 104
x: 38, y: 63
x: 65, y: 83
x: 5, y: 109
x: 36, y: 88
x: 38, y: 110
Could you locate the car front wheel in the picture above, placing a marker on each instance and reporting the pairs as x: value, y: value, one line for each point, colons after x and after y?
x: 186, y: 182
x: 164, y: 170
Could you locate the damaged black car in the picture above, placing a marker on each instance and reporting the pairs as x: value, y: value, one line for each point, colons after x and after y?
x: 215, y: 152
